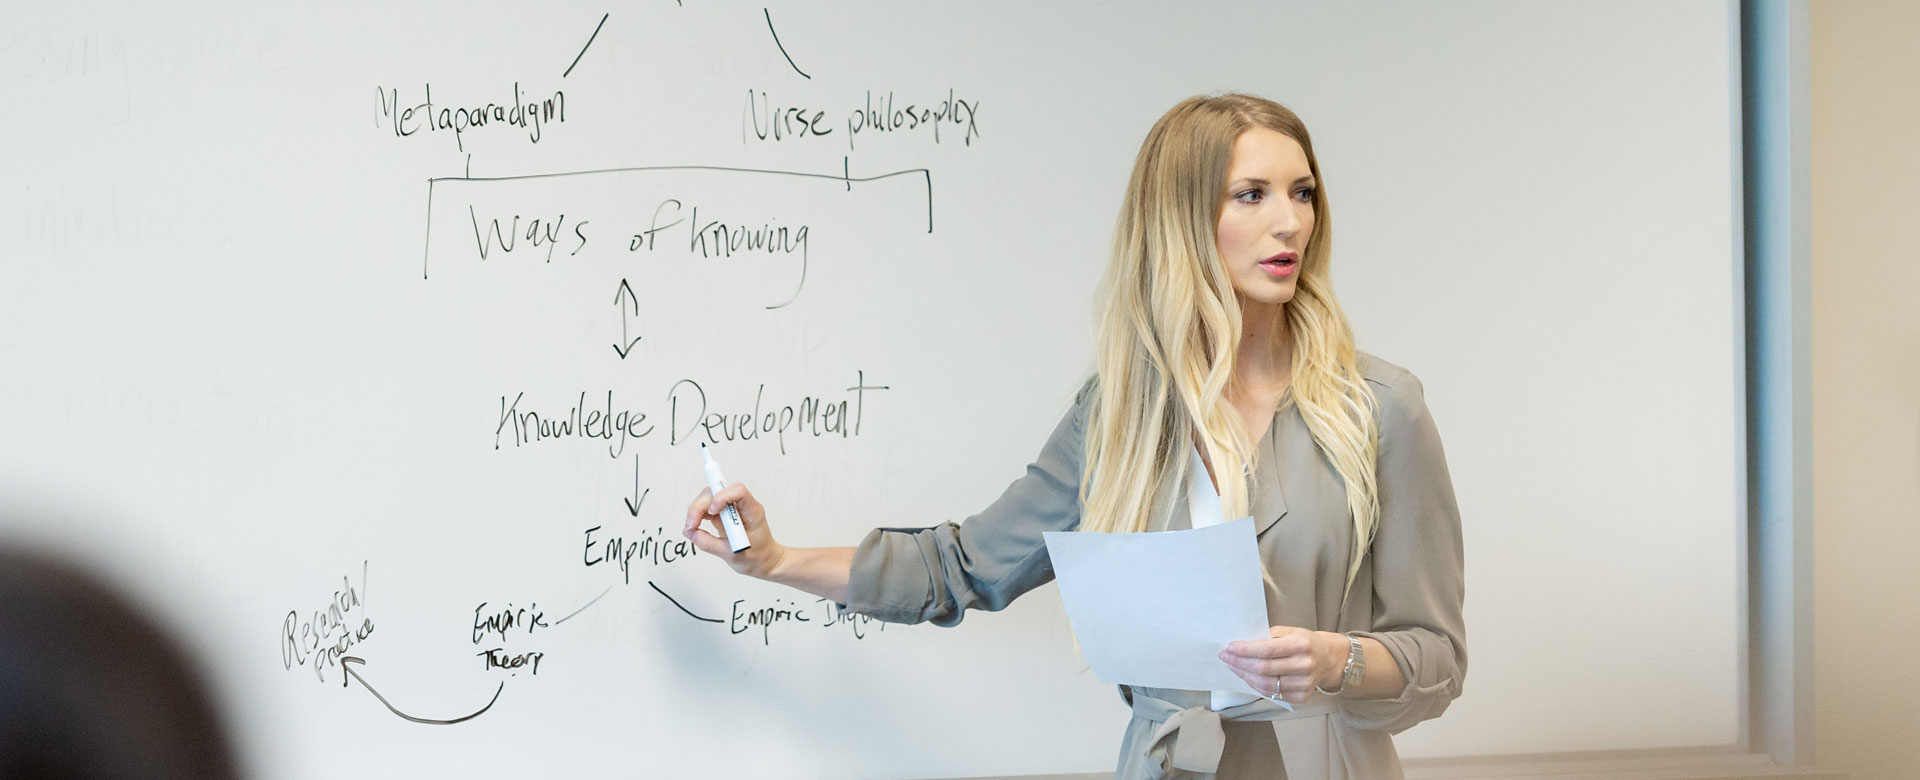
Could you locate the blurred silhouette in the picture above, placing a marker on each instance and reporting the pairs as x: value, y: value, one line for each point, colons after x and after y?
x: 91, y: 688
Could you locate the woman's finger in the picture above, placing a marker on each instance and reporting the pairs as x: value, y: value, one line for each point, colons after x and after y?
x: 1286, y: 641
x: 1255, y: 681
x: 1248, y: 664
x: 708, y: 543
x: 1295, y: 685
x: 1285, y: 688
x: 733, y: 493
x: 741, y: 498
x: 698, y: 509
x: 1257, y: 661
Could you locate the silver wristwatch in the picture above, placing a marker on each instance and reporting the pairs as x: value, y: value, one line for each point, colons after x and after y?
x: 1356, y: 666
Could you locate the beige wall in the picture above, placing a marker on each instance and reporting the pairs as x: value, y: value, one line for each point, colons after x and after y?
x: 1865, y: 189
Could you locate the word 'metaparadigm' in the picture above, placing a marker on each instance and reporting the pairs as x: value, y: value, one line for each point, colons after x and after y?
x: 523, y: 112
x: 690, y: 418
x: 765, y: 120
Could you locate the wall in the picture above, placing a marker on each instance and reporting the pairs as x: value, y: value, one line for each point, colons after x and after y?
x: 1866, y: 368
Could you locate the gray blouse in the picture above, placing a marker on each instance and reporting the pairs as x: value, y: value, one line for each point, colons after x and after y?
x: 1407, y: 595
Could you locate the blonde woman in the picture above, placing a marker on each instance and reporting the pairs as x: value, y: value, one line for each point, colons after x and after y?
x: 1227, y: 385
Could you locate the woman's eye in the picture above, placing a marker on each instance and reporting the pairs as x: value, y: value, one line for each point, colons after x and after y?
x: 1248, y: 196
x: 1304, y: 194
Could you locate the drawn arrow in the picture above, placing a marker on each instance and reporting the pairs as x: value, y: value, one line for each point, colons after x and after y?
x: 633, y: 504
x: 348, y: 659
x: 627, y: 293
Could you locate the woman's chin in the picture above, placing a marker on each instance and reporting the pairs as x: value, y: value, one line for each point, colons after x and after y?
x: 1267, y: 295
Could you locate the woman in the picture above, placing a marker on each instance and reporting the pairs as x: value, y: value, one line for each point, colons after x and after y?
x: 1220, y: 343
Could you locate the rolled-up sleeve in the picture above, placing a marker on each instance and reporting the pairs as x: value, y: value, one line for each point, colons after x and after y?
x: 1418, y: 567
x: 910, y: 575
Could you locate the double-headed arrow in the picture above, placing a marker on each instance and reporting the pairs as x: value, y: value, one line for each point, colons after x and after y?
x: 625, y: 292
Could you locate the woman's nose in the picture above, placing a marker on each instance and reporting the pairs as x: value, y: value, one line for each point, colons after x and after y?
x: 1285, y: 223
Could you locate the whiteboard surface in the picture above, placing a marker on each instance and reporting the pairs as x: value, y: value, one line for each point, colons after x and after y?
x: 252, y: 354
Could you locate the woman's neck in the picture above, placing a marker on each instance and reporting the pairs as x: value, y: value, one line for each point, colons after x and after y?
x: 1265, y: 359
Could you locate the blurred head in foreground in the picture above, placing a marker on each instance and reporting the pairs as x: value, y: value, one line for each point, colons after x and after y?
x: 90, y: 687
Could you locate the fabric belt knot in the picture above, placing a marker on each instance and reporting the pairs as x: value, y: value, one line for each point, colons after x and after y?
x: 1189, y: 741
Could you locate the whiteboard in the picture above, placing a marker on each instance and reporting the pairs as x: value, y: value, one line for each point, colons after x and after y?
x: 266, y: 355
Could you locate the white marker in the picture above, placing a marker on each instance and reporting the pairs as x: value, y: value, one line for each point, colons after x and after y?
x: 729, y: 517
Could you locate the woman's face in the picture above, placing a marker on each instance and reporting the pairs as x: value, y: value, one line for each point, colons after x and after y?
x: 1268, y: 216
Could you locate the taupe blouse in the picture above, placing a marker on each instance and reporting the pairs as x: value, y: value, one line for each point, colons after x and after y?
x: 1408, y: 593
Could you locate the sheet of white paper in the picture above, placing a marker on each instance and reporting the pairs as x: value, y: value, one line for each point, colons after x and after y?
x: 1155, y: 609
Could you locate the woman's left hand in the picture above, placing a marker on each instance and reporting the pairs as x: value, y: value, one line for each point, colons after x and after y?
x: 1290, y: 663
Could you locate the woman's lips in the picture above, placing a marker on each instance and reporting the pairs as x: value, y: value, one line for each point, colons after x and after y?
x: 1279, y: 266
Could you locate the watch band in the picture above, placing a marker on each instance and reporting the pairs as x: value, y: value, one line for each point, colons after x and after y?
x: 1356, y: 667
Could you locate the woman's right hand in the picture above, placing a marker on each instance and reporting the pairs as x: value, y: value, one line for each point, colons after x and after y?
x: 763, y: 554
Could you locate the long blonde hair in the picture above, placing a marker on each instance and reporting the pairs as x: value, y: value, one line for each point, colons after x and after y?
x: 1170, y: 328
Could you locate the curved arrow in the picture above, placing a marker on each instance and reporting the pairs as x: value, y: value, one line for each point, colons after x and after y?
x: 346, y: 659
